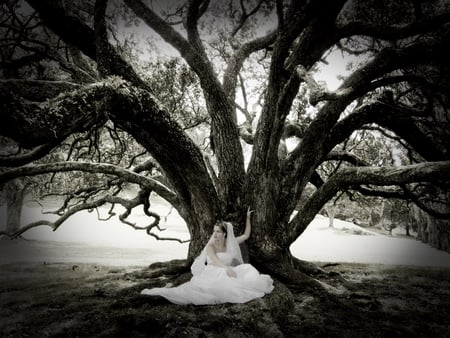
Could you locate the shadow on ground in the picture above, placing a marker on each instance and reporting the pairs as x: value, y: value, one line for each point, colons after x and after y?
x: 86, y: 300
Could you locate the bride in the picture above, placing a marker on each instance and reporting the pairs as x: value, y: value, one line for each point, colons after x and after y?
x: 219, y: 274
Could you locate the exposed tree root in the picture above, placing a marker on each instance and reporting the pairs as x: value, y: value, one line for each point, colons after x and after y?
x: 291, y: 275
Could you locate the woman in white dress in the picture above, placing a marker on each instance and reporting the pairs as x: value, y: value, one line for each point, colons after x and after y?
x: 219, y: 273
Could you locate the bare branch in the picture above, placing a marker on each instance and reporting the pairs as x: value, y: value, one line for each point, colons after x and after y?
x: 316, y: 92
x: 211, y: 171
x: 124, y: 174
x: 128, y: 204
x: 398, y: 119
x: 147, y: 165
x: 196, y: 8
x: 347, y: 157
x: 380, y: 176
x: 36, y: 90
x: 56, y: 224
x: 420, y: 201
x: 245, y: 131
x: 221, y: 110
x: 167, y: 32
x: 394, y: 32
x: 168, y: 238
x: 101, y: 39
x: 237, y: 60
x: 245, y: 15
x: 26, y: 157
x: 76, y: 33
x: 143, y: 198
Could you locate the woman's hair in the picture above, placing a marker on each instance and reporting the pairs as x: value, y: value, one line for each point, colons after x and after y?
x: 222, y: 227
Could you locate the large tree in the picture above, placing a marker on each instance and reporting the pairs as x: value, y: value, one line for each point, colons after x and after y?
x: 238, y: 50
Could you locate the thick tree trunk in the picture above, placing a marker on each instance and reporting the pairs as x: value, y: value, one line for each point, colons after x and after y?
x: 439, y: 234
x: 331, y: 211
x: 14, y: 200
x: 435, y: 232
x: 278, y: 262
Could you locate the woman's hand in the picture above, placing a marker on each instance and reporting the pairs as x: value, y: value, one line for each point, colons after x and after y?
x: 230, y: 272
x: 249, y: 212
x: 248, y: 228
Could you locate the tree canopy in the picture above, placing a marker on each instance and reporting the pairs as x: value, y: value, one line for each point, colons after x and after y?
x: 153, y: 73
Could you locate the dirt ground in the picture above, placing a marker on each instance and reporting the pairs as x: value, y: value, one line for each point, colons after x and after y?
x: 87, y: 300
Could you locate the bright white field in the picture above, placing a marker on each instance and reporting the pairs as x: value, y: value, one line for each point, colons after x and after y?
x: 85, y: 239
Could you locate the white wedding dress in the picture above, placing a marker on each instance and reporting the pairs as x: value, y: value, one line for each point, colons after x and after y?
x: 210, y: 283
x: 213, y: 286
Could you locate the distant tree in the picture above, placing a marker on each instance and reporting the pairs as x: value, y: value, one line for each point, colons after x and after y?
x: 13, y: 194
x: 254, y: 64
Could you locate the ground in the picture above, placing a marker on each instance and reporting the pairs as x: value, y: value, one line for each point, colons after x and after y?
x: 90, y: 300
x: 52, y: 288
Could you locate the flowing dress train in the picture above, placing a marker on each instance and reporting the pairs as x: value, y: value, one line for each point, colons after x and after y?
x: 213, y: 286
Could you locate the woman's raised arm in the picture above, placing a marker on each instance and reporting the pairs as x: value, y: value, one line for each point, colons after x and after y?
x: 248, y: 228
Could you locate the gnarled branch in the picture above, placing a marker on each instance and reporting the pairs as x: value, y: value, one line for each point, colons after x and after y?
x: 124, y: 174
x: 353, y: 177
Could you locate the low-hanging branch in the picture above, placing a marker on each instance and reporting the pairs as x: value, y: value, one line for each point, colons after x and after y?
x: 36, y: 90
x: 132, y: 110
x: 373, y: 192
x: 142, y: 198
x: 398, y: 119
x: 54, y: 225
x: 113, y: 200
x: 26, y: 157
x: 84, y: 194
x: 435, y: 172
x: 124, y: 174
x: 419, y: 200
x: 347, y: 157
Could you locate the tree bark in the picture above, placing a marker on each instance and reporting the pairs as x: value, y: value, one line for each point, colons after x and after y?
x: 133, y: 110
x: 432, y: 231
x: 15, y: 190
